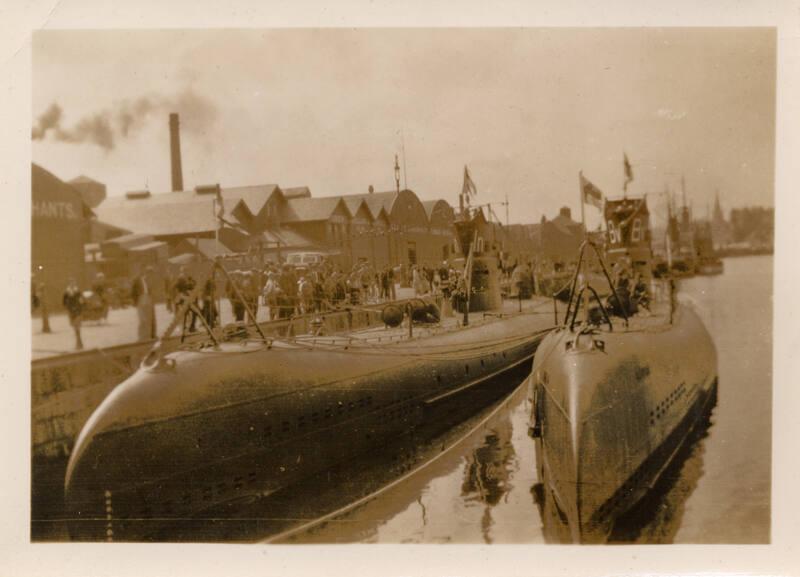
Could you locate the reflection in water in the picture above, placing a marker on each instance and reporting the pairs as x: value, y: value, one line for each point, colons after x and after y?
x: 715, y: 490
x: 487, y: 472
x: 484, y: 489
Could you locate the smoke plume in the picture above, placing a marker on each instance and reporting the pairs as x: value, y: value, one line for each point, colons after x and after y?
x: 125, y: 118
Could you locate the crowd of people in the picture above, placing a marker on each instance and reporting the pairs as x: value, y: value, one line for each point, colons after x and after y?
x: 282, y: 290
x: 633, y: 294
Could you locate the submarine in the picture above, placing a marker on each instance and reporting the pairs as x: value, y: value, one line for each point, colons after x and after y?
x: 207, y: 425
x: 615, y: 391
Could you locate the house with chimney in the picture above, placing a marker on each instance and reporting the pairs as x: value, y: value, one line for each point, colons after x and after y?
x: 552, y: 242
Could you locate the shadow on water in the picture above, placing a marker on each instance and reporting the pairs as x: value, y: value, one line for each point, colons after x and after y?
x: 656, y: 518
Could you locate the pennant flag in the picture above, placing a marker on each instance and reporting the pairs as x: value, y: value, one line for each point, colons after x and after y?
x: 469, y: 187
x: 628, y: 170
x: 590, y: 193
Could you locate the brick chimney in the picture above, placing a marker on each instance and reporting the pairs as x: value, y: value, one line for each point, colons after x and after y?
x: 565, y: 211
x: 175, y: 151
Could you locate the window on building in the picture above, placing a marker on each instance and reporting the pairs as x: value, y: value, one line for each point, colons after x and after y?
x: 412, y: 252
x: 613, y: 232
x: 636, y: 232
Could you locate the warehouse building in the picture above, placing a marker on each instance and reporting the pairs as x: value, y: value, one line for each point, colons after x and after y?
x: 59, y: 229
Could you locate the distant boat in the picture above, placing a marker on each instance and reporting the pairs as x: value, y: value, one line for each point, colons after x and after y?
x: 708, y: 262
x: 615, y: 393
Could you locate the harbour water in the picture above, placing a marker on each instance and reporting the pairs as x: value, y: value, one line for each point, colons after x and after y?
x: 716, y: 491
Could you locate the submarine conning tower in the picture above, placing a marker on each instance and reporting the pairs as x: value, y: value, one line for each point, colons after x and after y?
x: 474, y: 234
x: 628, y: 234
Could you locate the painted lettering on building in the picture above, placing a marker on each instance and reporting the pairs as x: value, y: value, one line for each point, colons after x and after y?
x: 54, y: 209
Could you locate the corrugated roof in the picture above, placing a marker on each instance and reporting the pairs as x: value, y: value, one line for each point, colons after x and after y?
x: 312, y: 209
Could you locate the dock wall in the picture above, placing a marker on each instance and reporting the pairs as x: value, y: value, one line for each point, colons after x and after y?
x: 66, y: 389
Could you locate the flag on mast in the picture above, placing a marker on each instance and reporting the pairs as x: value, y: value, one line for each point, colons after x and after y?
x: 468, y: 189
x: 590, y: 193
x: 628, y: 171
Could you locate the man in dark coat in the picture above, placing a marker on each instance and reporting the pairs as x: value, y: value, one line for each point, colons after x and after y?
x: 142, y: 295
x: 73, y: 302
x: 184, y: 285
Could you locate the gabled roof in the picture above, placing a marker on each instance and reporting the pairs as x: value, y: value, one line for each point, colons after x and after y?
x: 313, y: 209
x: 254, y: 197
x: 375, y: 201
x: 429, y: 205
x: 44, y: 182
x: 439, y: 205
x: 355, y: 204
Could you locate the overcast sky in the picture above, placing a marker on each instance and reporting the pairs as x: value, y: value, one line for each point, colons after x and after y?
x: 525, y: 109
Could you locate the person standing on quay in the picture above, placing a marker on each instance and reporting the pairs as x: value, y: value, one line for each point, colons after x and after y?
x: 73, y: 302
x: 142, y: 295
x: 209, y: 297
x: 184, y: 285
x: 272, y: 291
x: 234, y: 291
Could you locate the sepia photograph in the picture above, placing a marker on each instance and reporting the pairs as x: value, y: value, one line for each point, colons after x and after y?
x: 369, y: 285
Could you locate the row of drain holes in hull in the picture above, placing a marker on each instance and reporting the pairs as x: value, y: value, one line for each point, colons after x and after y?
x: 645, y: 470
x: 662, y: 407
x: 391, y: 413
x: 395, y: 409
x: 206, y: 493
x: 341, y: 409
x: 466, y: 367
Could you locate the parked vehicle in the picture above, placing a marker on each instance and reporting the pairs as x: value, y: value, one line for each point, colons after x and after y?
x: 305, y: 258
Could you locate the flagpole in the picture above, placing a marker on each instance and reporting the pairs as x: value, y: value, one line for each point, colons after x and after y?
x: 216, y: 224
x: 583, y: 211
